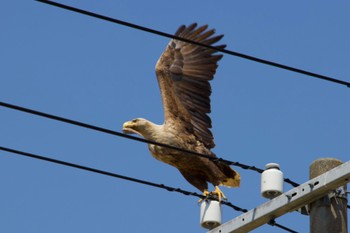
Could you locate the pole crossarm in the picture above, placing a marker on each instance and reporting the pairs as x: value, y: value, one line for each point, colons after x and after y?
x: 288, y: 201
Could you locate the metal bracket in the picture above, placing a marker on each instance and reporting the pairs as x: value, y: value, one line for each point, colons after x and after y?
x: 289, y: 201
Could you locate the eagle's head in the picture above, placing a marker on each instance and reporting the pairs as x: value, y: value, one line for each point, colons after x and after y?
x: 134, y: 127
x: 141, y: 127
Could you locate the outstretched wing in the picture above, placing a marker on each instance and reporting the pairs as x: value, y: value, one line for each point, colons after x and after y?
x: 183, y: 72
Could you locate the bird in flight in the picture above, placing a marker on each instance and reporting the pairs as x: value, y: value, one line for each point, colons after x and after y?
x: 183, y: 73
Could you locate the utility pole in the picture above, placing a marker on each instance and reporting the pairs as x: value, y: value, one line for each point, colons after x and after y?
x: 329, y: 213
x: 308, y: 192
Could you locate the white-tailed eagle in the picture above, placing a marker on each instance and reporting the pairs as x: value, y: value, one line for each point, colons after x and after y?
x: 183, y: 72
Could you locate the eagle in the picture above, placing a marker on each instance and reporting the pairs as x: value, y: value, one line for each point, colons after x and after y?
x: 183, y: 72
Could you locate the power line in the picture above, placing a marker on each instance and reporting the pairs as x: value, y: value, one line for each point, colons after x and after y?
x: 274, y: 223
x: 230, y: 52
x: 115, y: 175
x: 115, y: 133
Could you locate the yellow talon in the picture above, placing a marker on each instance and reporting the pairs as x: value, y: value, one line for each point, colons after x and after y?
x: 217, y: 193
x: 206, y: 193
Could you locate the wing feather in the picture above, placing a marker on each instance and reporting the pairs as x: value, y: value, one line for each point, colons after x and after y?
x: 183, y: 72
x: 194, y: 33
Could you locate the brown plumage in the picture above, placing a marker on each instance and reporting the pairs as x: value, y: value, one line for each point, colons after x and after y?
x: 183, y: 72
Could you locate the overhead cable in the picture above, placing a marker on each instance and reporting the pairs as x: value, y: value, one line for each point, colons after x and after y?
x: 115, y: 175
x: 115, y: 133
x: 273, y: 223
x: 230, y: 52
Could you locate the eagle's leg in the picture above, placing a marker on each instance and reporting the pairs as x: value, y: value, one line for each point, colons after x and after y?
x: 206, y: 193
x: 219, y: 193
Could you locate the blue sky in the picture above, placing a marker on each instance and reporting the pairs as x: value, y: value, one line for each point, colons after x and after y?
x: 101, y: 73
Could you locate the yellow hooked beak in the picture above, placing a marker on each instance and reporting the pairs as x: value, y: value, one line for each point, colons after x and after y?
x: 128, y: 128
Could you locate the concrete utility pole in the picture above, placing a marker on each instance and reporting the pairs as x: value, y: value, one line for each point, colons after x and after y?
x: 329, y: 213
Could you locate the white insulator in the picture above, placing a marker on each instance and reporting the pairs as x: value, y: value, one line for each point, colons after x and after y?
x: 271, y: 181
x: 210, y: 214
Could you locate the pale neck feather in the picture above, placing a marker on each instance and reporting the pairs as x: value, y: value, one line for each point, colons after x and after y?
x: 151, y: 131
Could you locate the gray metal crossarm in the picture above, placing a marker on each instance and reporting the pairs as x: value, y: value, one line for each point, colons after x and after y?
x: 288, y: 201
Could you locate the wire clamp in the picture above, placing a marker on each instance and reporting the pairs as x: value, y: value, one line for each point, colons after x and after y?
x: 339, y: 193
